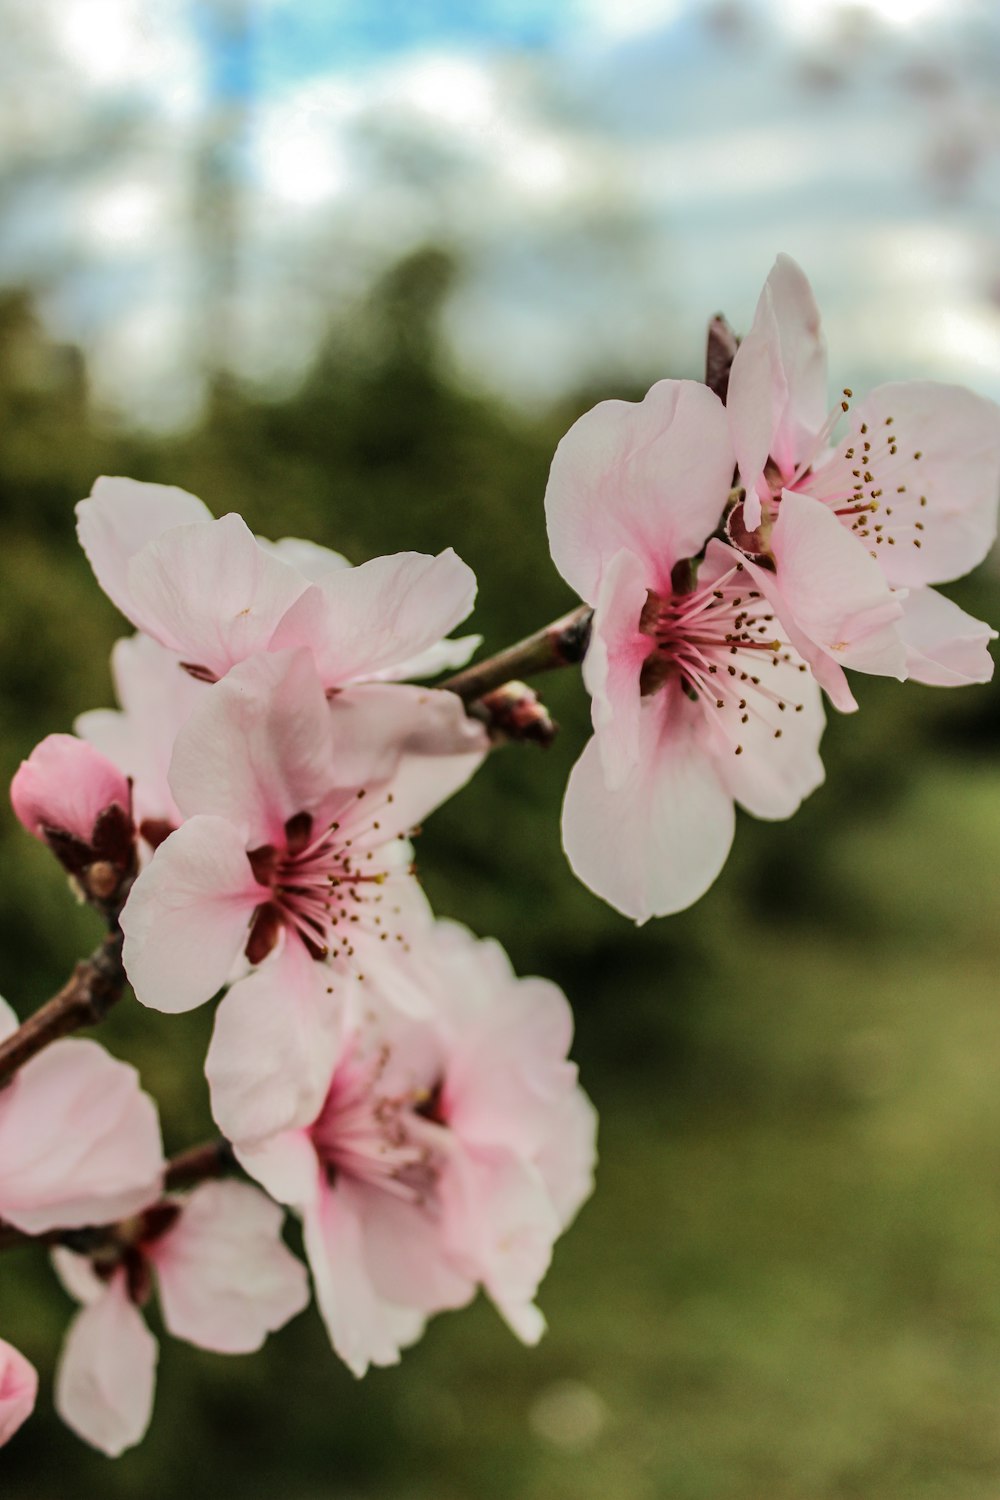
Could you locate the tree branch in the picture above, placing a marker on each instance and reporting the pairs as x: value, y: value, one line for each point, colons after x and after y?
x: 561, y: 644
x: 97, y: 984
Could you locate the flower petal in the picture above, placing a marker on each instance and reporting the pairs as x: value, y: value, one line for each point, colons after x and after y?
x: 364, y: 1328
x: 945, y: 647
x: 650, y: 476
x: 211, y: 593
x: 226, y: 1279
x: 257, y: 749
x: 65, y: 784
x: 777, y: 385
x: 957, y: 474
x: 18, y: 1390
x: 276, y: 1038
x: 157, y: 697
x: 79, y: 1141
x: 658, y: 842
x: 187, y: 916
x: 833, y: 591
x: 613, y: 664
x: 382, y: 613
x: 120, y: 518
x: 107, y: 1373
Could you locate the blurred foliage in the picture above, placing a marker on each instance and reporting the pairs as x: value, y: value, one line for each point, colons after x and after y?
x: 788, y: 1283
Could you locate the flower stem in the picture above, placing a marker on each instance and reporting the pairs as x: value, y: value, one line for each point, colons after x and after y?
x: 561, y: 644
x: 97, y: 983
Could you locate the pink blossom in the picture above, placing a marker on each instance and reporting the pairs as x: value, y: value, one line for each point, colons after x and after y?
x: 291, y: 863
x: 156, y: 697
x: 225, y: 1281
x: 209, y: 591
x: 75, y: 800
x: 18, y: 1390
x: 699, y: 698
x: 852, y: 531
x: 79, y: 1140
x: 450, y: 1151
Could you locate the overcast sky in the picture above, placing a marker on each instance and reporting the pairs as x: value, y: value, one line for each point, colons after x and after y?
x: 610, y: 174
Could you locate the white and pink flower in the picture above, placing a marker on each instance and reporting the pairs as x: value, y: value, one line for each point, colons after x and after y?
x: 77, y: 801
x: 156, y: 697
x: 225, y: 1281
x: 699, y: 698
x: 449, y: 1152
x: 18, y: 1390
x: 850, y: 531
x: 213, y: 594
x: 291, y: 868
x: 79, y: 1140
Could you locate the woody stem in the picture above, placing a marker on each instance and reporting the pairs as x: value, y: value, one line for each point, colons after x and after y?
x: 561, y: 644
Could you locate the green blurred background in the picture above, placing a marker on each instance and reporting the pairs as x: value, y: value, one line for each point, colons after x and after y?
x: 787, y: 1286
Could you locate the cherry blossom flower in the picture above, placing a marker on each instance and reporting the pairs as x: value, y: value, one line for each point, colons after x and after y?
x: 291, y: 862
x: 79, y: 1140
x: 209, y: 591
x: 449, y: 1151
x: 225, y: 1282
x: 851, y: 531
x: 156, y: 698
x: 76, y: 801
x: 18, y: 1390
x: 699, y: 699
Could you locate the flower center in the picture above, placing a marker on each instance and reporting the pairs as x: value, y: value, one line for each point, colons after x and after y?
x: 719, y: 642
x: 868, y: 481
x: 385, y: 1140
x: 323, y: 885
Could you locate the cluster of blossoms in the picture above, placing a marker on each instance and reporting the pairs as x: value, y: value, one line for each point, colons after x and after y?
x: 243, y: 823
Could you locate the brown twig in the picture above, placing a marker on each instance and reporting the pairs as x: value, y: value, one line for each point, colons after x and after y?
x: 198, y: 1164
x: 98, y: 983
x: 561, y: 644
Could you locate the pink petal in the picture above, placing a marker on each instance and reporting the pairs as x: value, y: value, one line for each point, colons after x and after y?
x: 613, y: 664
x: 381, y: 613
x: 508, y: 1073
x: 188, y: 915
x: 957, y: 435
x: 107, y: 1373
x: 211, y: 593
x: 418, y: 741
x: 945, y: 647
x: 226, y: 1279
x: 157, y: 697
x: 286, y: 1166
x: 258, y: 748
x: 276, y: 1038
x: 364, y: 1328
x: 568, y: 1156
x: 446, y: 656
x: 77, y: 1275
x: 18, y: 1390
x: 65, y: 784
x: 9, y: 1022
x: 778, y: 764
x: 834, y: 591
x: 651, y: 476
x: 500, y: 1225
x: 777, y: 401
x: 406, y: 1257
x: 657, y: 843
x: 119, y: 519
x: 308, y: 558
x: 79, y: 1141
